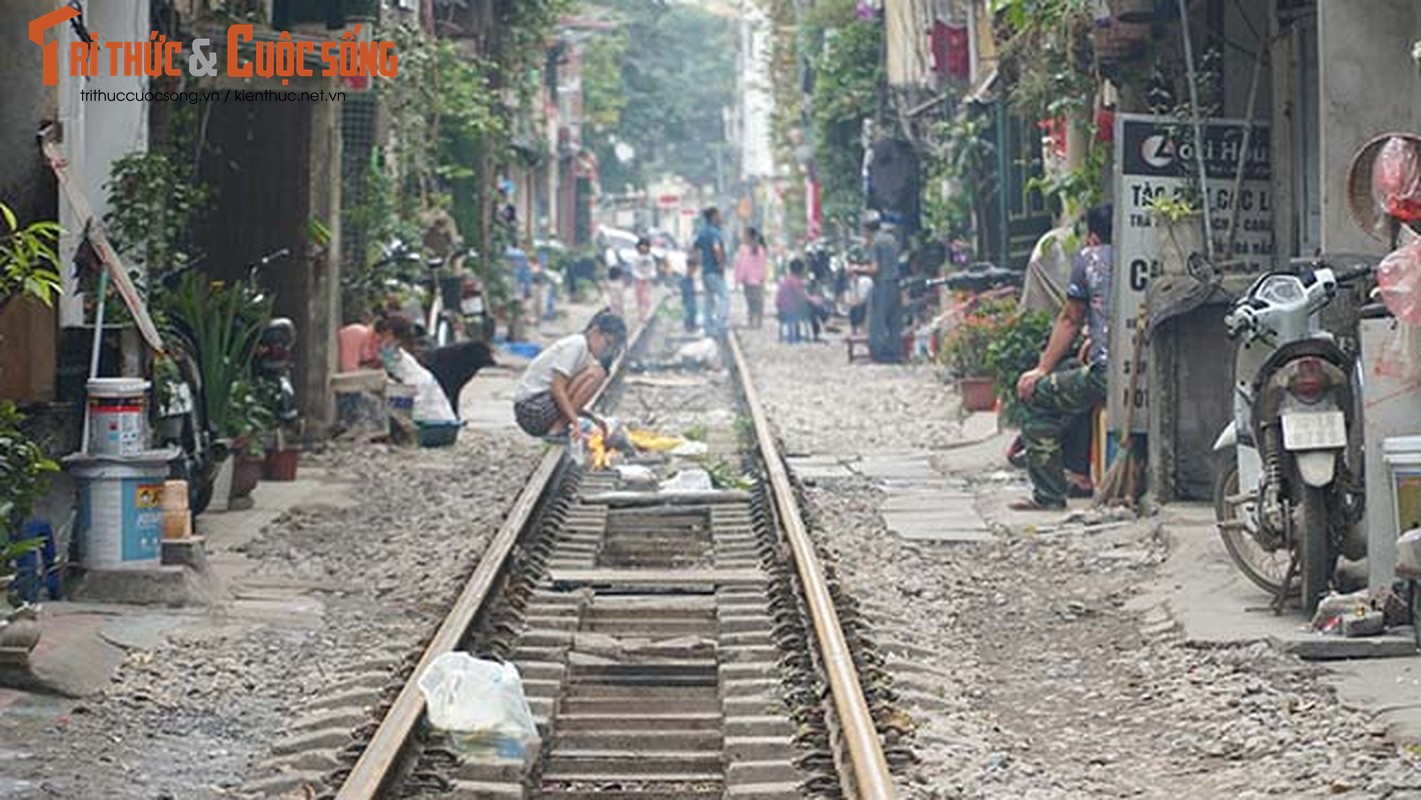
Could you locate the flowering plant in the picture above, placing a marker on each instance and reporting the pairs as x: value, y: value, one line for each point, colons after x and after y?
x: 965, y: 349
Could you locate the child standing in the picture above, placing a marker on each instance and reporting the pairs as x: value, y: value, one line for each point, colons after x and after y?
x: 751, y: 261
x: 643, y: 274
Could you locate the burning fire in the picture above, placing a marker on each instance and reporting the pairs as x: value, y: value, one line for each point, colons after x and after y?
x: 601, y: 454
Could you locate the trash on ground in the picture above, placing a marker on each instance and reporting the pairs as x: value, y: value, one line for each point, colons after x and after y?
x: 1365, y: 612
x: 481, y: 703
x: 636, y: 476
x: 704, y: 353
x: 690, y: 449
x: 689, y: 480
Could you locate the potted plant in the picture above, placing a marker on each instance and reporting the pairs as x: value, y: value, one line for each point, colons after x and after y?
x: 1182, y: 223
x: 221, y: 326
x: 24, y: 480
x: 249, y: 422
x: 966, y: 352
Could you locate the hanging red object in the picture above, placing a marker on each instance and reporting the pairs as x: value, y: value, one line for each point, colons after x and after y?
x: 1105, y: 125
x: 1055, y: 130
x: 951, y: 56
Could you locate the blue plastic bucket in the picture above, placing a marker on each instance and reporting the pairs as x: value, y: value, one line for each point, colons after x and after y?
x: 120, y: 512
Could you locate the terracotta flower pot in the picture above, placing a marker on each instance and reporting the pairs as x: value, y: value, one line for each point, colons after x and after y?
x: 246, y: 474
x: 978, y: 394
x: 281, y: 465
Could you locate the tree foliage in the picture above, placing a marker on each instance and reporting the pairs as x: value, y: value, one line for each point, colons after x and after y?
x: 848, y: 73
x: 676, y: 76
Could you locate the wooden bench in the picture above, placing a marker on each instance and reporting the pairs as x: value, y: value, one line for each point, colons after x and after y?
x: 858, y: 348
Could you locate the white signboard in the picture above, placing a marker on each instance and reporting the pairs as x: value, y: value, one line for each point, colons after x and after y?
x: 1150, y: 161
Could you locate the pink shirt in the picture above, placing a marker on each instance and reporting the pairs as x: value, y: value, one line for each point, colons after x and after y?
x: 750, y: 265
x: 358, y: 344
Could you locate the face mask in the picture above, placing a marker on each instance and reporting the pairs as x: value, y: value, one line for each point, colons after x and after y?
x: 389, y: 355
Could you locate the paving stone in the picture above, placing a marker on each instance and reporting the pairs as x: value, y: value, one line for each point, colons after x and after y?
x: 312, y: 740
x: 281, y: 784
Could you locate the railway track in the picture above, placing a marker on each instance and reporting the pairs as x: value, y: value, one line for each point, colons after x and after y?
x: 674, y: 647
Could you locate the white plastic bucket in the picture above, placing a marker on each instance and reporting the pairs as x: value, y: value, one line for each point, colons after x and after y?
x: 1403, y: 460
x: 118, y: 416
x: 120, y: 513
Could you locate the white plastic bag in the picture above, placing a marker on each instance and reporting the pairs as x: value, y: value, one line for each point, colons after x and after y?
x: 689, y: 480
x: 469, y: 695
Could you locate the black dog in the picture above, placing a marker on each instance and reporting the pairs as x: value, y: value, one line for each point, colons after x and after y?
x: 456, y: 365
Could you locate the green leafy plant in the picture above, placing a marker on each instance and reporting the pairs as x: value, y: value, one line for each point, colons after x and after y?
x: 725, y: 475
x: 24, y: 480
x: 961, y: 175
x: 696, y: 433
x: 1016, y: 349
x: 28, y: 263
x: 154, y: 204
x: 1046, y: 55
x: 965, y: 349
x: 848, y: 69
x: 223, y: 325
x: 250, y: 418
x: 1172, y: 208
x: 1079, y: 189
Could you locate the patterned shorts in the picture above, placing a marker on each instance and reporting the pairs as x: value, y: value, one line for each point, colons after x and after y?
x: 537, y: 414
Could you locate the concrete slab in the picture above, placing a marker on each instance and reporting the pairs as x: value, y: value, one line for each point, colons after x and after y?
x: 980, y: 426
x: 939, y: 535
x: 158, y: 586
x: 927, y: 502
x: 1216, y: 606
x: 144, y: 632
x: 71, y: 658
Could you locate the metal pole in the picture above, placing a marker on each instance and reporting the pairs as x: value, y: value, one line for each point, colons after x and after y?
x: 1198, y: 129
x: 97, y: 348
x: 1243, y: 151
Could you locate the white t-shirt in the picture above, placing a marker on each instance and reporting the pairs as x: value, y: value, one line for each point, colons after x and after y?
x: 644, y: 267
x: 567, y: 356
x: 430, y: 404
x: 863, y: 288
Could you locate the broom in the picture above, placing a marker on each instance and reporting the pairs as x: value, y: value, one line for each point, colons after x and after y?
x: 1121, y: 481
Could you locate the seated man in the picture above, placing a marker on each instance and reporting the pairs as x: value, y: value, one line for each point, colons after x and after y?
x: 1053, y: 397
x: 556, y: 388
x: 792, y: 304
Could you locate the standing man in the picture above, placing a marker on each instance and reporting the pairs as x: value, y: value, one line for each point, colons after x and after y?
x: 885, y: 309
x: 1053, y: 397
x: 710, y: 246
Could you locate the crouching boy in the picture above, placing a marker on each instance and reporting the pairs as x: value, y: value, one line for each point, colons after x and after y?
x: 558, y: 385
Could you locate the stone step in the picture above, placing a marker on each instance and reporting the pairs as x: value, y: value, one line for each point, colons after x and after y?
x: 639, y: 740
x: 658, y: 721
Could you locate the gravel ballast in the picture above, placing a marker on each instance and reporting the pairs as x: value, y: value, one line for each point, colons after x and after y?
x: 1018, y: 660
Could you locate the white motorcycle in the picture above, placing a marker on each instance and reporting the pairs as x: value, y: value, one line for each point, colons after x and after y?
x: 1288, y: 494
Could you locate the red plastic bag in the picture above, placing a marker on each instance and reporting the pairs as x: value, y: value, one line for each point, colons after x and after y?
x: 1399, y: 278
x: 1396, y: 180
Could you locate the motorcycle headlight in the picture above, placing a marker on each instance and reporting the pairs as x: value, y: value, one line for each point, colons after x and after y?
x: 1281, y: 290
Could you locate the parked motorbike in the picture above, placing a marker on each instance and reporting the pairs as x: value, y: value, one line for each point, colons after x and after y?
x: 275, y: 364
x: 1288, y: 493
x: 434, y: 290
x: 182, y: 421
x: 182, y: 424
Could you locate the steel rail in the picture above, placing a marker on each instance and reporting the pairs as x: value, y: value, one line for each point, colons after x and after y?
x: 373, y: 770
x: 870, y: 768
